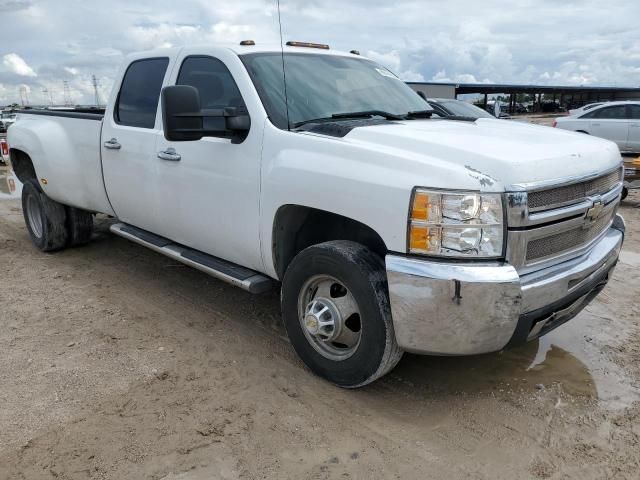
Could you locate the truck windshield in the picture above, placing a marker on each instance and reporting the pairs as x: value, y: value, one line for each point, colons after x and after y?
x: 320, y: 86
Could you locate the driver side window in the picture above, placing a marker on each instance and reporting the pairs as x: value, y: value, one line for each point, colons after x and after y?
x: 215, y: 85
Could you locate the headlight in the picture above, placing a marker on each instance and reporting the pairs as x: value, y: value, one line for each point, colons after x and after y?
x: 456, y: 224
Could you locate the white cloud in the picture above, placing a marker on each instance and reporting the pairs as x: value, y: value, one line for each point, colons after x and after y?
x: 394, y: 62
x: 15, y: 64
x: 391, y: 59
x: 461, y: 41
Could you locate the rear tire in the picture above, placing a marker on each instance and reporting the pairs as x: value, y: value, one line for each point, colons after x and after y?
x: 80, y: 226
x: 325, y: 278
x: 46, y: 219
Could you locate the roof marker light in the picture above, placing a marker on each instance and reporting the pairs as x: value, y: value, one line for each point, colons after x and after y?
x: 355, y: 52
x: 247, y: 43
x: 308, y: 45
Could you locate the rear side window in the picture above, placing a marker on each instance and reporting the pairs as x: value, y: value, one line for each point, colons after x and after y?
x: 634, y: 111
x: 140, y: 91
x: 215, y: 85
x: 617, y: 112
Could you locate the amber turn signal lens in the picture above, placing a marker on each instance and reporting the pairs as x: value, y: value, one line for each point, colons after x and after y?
x: 421, y: 238
x: 420, y: 208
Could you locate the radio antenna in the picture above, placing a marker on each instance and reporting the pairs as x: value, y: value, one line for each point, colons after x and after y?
x: 284, y: 74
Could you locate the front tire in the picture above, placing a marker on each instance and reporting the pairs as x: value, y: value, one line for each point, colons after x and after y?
x: 45, y: 218
x: 336, y: 310
x: 625, y: 192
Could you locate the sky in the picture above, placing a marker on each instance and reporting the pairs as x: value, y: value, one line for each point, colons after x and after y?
x: 44, y: 43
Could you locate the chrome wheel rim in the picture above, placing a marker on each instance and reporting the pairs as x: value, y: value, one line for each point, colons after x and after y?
x: 35, y: 216
x: 329, y: 317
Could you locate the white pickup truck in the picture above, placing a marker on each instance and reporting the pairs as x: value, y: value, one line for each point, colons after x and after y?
x: 385, y: 229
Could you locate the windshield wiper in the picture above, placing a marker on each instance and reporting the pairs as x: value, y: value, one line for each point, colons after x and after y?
x: 420, y: 114
x: 347, y: 115
x: 368, y: 113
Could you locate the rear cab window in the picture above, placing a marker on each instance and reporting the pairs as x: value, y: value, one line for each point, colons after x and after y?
x: 137, y: 101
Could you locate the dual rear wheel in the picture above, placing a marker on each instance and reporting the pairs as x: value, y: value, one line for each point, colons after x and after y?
x: 51, y: 225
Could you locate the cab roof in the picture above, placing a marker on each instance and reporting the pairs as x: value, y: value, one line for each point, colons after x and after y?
x: 245, y: 49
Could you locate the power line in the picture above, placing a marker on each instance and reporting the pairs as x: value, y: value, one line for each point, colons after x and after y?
x: 47, y: 94
x: 67, y: 94
x: 24, y: 97
x: 94, y: 82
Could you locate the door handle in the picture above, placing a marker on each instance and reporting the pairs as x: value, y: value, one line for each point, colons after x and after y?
x: 112, y: 144
x: 170, y: 155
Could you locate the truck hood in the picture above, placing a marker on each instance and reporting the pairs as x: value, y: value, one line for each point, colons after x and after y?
x: 493, y: 155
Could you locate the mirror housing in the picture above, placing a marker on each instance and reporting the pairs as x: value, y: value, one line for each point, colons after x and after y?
x: 237, y: 119
x: 180, y: 109
x: 182, y: 117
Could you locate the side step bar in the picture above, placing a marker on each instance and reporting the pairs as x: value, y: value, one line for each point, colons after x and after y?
x: 237, y: 275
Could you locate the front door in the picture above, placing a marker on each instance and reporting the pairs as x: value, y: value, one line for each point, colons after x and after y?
x: 128, y: 144
x: 610, y: 123
x: 209, y: 190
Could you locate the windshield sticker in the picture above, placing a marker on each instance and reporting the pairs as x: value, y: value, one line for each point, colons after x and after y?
x: 386, y: 73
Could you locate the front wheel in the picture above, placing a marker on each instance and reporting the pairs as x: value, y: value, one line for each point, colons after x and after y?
x: 625, y: 192
x: 336, y: 311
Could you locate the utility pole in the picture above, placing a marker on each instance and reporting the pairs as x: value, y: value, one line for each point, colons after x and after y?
x: 67, y: 94
x: 24, y: 97
x: 94, y: 82
x: 47, y: 94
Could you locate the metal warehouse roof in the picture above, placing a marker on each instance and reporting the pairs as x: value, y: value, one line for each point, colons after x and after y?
x: 462, y: 88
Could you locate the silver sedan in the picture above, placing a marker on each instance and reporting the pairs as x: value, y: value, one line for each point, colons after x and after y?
x: 616, y: 121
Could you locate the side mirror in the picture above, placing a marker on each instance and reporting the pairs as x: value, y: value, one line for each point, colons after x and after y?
x: 181, y: 117
x: 237, y: 119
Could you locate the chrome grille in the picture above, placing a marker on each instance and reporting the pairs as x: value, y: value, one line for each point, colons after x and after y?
x: 566, y: 241
x: 545, y: 199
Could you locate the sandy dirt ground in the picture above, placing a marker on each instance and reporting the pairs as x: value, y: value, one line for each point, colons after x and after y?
x: 118, y: 363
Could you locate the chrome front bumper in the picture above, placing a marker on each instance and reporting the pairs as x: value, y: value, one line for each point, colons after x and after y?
x: 446, y: 308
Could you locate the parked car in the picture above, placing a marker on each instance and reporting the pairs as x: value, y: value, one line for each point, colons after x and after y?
x: 9, y: 188
x: 498, y: 109
x: 385, y: 229
x: 521, y: 108
x: 615, y: 121
x: 4, y: 151
x: 550, y: 106
x: 631, y: 175
x: 447, y: 107
x: 6, y: 120
x: 576, y: 112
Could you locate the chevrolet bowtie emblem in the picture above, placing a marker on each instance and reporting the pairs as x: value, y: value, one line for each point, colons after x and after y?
x: 594, y: 212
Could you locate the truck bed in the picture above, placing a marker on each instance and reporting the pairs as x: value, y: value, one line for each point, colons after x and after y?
x: 64, y: 146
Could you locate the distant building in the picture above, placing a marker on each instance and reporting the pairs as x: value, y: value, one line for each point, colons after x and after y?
x: 435, y: 90
x: 565, y: 96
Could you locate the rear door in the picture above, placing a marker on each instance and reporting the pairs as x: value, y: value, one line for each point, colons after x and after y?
x: 610, y: 123
x: 128, y: 143
x: 633, y: 143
